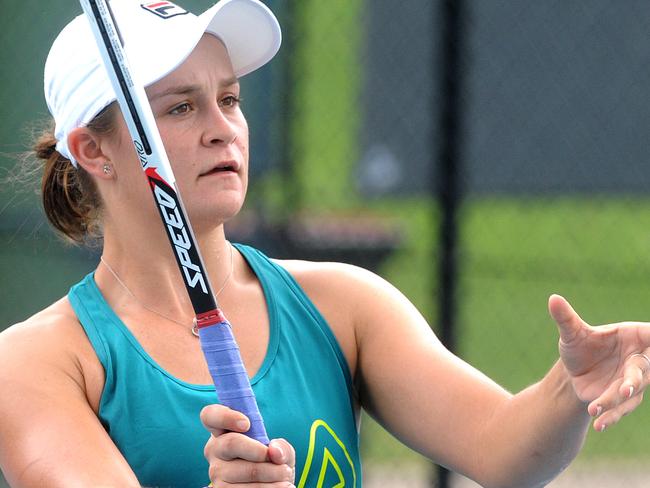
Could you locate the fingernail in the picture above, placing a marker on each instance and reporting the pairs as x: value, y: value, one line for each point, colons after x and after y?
x: 631, y: 392
x: 603, y: 427
x: 242, y: 425
x: 599, y: 410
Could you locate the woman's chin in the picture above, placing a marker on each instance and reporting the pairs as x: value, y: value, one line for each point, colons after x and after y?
x: 209, y: 217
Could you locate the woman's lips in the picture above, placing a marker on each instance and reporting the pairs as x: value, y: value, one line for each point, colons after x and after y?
x: 223, y: 167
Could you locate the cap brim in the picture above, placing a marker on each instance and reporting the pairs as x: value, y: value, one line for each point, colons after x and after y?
x: 248, y: 29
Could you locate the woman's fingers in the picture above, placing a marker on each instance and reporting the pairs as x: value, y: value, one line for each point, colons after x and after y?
x: 231, y: 445
x: 635, y: 374
x: 611, y: 416
x: 623, y: 395
x: 281, y: 452
x: 240, y: 471
x: 235, y: 458
x: 219, y: 419
x: 224, y: 484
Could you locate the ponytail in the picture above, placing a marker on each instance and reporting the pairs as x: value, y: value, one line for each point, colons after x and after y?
x: 70, y: 198
x: 68, y: 194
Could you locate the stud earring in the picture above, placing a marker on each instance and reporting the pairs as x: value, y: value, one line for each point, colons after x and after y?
x: 107, y: 169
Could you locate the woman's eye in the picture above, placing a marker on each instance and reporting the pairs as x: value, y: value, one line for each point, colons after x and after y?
x: 183, y: 108
x: 230, y: 101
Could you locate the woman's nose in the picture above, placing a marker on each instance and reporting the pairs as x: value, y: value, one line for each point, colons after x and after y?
x: 218, y: 130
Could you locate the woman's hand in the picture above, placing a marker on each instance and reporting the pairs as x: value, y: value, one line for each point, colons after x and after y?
x: 236, y: 459
x: 608, y: 365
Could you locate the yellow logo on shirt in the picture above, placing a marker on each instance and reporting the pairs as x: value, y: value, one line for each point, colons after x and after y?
x: 330, y: 474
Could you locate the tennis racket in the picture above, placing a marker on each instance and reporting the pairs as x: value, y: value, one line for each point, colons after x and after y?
x: 215, y: 332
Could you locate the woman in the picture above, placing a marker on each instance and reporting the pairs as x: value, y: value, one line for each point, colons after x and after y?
x: 109, y: 386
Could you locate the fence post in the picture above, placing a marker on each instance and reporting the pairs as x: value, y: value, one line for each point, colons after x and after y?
x: 292, y: 201
x: 446, y: 186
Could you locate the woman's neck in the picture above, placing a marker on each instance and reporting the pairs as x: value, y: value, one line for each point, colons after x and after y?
x: 147, y: 272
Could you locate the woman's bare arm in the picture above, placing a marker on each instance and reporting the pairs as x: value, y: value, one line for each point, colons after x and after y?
x: 452, y: 413
x: 49, y: 433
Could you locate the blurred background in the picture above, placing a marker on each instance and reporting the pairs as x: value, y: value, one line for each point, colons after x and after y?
x: 480, y: 155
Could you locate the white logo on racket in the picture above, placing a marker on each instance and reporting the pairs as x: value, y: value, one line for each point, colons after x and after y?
x: 181, y: 240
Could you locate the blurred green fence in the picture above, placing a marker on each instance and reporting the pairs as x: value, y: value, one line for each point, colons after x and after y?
x: 344, y: 124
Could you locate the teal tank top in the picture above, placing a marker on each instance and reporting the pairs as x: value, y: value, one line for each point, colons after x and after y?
x: 303, y: 389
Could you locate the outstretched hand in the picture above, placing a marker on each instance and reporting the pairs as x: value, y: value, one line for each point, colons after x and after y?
x: 608, y: 365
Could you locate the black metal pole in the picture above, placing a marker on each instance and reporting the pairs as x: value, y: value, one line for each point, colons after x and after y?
x: 291, y: 28
x: 446, y: 186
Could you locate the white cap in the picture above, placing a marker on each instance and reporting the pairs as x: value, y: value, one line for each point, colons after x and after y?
x: 158, y: 36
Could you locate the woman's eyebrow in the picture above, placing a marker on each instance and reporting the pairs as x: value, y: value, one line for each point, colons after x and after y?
x: 175, y: 90
x: 189, y: 89
x: 229, y: 82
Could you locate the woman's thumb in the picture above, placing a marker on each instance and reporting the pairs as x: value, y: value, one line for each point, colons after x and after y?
x: 568, y: 321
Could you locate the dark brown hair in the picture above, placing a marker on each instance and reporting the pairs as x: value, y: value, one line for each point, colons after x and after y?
x: 70, y: 198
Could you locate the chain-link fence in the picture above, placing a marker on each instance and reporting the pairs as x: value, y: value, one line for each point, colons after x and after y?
x: 537, y: 110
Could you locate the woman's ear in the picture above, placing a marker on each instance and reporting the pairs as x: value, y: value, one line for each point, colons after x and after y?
x: 87, y: 151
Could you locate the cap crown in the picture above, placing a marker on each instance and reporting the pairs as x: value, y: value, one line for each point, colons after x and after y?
x: 158, y: 36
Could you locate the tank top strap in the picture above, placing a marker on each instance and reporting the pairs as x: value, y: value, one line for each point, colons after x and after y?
x: 86, y: 300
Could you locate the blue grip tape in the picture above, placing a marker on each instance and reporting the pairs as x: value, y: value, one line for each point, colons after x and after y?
x: 230, y: 377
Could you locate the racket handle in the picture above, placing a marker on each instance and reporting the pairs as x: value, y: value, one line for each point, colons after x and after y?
x: 228, y: 373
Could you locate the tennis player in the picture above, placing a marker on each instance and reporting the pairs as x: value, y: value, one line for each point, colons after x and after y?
x: 108, y: 386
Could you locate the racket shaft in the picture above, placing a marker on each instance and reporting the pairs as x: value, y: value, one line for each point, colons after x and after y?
x: 221, y: 351
x: 229, y: 375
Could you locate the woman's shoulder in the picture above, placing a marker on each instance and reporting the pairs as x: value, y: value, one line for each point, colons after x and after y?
x: 341, y: 273
x: 57, y: 323
x: 344, y: 282
x: 345, y: 291
x: 51, y: 340
x: 354, y: 294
